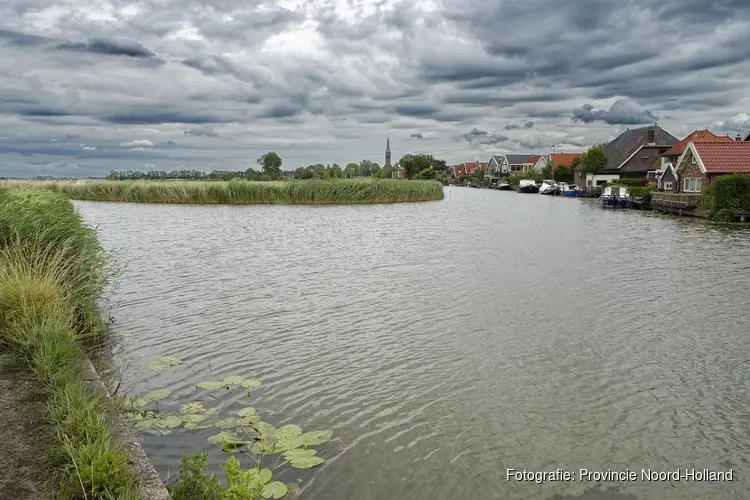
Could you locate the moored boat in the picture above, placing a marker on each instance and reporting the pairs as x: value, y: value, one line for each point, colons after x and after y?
x: 504, y: 186
x: 570, y: 190
x: 527, y: 186
x: 549, y: 187
x: 615, y: 197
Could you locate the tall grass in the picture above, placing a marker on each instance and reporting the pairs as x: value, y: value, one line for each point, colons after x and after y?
x: 52, y: 270
x: 344, y: 191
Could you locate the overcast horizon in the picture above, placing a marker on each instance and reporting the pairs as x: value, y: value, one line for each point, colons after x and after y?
x: 89, y: 87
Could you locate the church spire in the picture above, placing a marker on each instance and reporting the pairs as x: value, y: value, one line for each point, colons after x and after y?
x: 387, y: 153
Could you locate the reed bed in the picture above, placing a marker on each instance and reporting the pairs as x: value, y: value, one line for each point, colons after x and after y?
x: 52, y: 270
x: 334, y: 192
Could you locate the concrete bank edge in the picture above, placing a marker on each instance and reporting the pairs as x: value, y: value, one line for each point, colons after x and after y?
x: 152, y: 487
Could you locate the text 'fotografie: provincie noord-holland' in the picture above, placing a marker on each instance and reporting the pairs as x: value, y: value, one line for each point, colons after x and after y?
x: 618, y: 476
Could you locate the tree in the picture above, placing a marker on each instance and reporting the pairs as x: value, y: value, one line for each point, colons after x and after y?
x: 427, y: 174
x: 413, y: 164
x: 306, y: 174
x: 351, y: 170
x: 271, y: 164
x: 548, y: 170
x: 594, y: 160
x: 375, y: 170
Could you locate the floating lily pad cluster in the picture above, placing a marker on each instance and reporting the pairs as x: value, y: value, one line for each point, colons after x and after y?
x: 163, y: 363
x: 227, y: 383
x: 244, y: 431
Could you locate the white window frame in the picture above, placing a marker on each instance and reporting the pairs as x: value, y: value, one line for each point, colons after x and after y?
x: 692, y: 185
x: 668, y: 186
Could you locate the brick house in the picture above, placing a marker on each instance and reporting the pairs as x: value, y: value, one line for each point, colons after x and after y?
x: 702, y: 162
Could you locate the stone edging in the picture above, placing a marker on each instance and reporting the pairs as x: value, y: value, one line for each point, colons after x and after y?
x: 152, y: 487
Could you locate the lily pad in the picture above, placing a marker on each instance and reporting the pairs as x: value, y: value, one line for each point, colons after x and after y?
x: 274, y: 489
x: 262, y: 447
x: 146, y: 423
x: 249, y: 420
x: 233, y: 447
x: 138, y: 402
x: 192, y: 408
x: 299, y: 454
x: 264, y: 475
x: 224, y: 437
x: 287, y: 444
x: 250, y: 383
x: 316, y: 437
x: 288, y: 432
x: 233, y: 380
x: 246, y: 412
x: 156, y: 395
x: 226, y: 423
x: 265, y: 429
x: 209, y: 386
x: 306, y: 462
x: 163, y: 363
x: 171, y: 422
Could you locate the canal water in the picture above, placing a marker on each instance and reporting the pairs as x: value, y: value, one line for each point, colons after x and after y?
x: 449, y: 341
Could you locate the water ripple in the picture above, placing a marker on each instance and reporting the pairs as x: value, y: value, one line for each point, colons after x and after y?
x: 445, y: 342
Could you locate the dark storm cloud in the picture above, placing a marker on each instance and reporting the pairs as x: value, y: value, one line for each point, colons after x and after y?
x: 201, y: 133
x: 155, y: 116
x: 482, y: 137
x: 516, y: 126
x: 110, y: 47
x: 622, y: 112
x: 417, y: 135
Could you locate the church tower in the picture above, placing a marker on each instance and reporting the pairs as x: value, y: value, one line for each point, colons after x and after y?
x: 387, y: 153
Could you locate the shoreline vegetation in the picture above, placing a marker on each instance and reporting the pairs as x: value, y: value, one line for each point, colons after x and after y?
x: 242, y: 192
x: 52, y: 272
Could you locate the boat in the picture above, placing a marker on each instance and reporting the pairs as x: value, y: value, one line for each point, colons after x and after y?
x: 615, y: 197
x: 527, y: 186
x: 570, y: 190
x: 504, y: 186
x: 549, y: 187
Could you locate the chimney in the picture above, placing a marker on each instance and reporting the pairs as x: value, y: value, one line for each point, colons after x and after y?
x: 651, y: 135
x: 738, y: 138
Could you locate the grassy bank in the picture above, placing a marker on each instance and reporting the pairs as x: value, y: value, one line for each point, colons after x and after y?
x: 52, y: 271
x: 343, y: 191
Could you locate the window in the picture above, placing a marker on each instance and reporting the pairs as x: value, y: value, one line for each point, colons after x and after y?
x: 601, y: 182
x: 693, y: 185
x: 668, y: 186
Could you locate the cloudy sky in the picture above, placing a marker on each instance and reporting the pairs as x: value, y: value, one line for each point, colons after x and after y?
x: 89, y: 86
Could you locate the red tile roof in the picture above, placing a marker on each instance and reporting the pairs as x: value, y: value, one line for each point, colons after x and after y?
x: 724, y: 157
x: 469, y: 166
x: 533, y: 159
x: 564, y: 158
x: 695, y: 136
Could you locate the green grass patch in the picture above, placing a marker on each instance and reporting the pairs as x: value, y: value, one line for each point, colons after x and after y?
x: 307, y: 192
x: 52, y: 270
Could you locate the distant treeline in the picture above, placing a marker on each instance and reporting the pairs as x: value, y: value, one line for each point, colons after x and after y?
x: 321, y: 171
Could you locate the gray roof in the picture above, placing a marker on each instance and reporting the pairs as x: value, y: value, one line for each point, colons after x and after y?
x: 625, y: 144
x: 518, y: 159
x: 498, y: 158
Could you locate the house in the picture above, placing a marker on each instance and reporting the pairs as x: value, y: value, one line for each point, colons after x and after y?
x: 566, y: 160
x: 520, y: 163
x: 666, y: 178
x: 497, y: 167
x: 747, y: 137
x: 471, y: 165
x: 458, y: 170
x: 667, y: 181
x: 633, y: 154
x: 702, y: 162
x: 672, y: 154
x: 538, y: 162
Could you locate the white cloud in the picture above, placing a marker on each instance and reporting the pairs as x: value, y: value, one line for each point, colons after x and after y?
x: 140, y: 144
